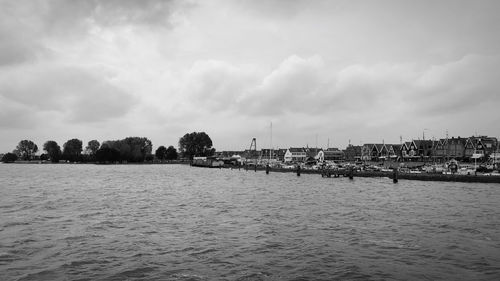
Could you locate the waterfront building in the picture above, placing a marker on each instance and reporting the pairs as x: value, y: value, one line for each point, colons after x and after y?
x: 456, y: 148
x: 424, y: 149
x: 409, y: 151
x: 280, y: 154
x: 480, y: 147
x: 366, y: 151
x: 352, y: 153
x: 228, y: 153
x: 380, y: 152
x: 267, y: 153
x: 470, y: 147
x: 393, y: 151
x: 295, y: 154
x: 440, y: 149
x: 333, y: 154
x: 490, y: 145
x: 450, y: 148
x: 312, y: 152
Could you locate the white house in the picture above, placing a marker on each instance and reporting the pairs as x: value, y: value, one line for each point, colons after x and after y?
x: 295, y: 154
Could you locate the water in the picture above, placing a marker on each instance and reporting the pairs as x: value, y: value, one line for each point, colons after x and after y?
x: 173, y: 222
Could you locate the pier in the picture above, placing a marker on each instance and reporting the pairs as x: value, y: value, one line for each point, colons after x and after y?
x: 391, y: 175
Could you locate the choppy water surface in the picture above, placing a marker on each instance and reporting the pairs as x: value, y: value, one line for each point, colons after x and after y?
x: 172, y: 222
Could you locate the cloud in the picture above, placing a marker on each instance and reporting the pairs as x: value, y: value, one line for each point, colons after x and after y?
x: 215, y: 85
x: 32, y: 30
x: 282, y: 9
x: 342, y: 69
x: 81, y: 95
x: 461, y: 85
x: 109, y: 12
x: 15, y: 115
x: 292, y: 86
x: 309, y: 86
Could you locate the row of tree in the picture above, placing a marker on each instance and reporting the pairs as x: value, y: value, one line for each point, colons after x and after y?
x: 131, y: 149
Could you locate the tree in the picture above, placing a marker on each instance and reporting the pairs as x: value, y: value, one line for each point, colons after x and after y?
x: 9, y: 157
x: 171, y: 153
x: 149, y: 157
x: 26, y: 149
x: 131, y: 149
x: 161, y: 153
x: 53, y: 151
x: 92, y: 147
x: 139, y: 148
x: 72, y: 150
x: 195, y: 144
x: 107, y: 154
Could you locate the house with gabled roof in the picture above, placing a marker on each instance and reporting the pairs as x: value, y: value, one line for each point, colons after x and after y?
x: 409, y: 150
x: 375, y: 152
x: 440, y: 149
x: 470, y: 147
x: 424, y: 148
x: 366, y: 151
x: 490, y: 144
x: 295, y: 154
x: 456, y: 147
x: 482, y: 145
x: 450, y: 148
x: 393, y: 151
x: 382, y: 151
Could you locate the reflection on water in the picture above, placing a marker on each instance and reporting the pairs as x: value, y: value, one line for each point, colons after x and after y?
x: 172, y: 222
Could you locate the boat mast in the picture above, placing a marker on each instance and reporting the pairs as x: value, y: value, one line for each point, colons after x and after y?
x: 447, y: 146
x: 271, y: 148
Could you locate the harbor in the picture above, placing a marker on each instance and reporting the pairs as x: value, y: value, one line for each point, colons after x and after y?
x: 451, y: 172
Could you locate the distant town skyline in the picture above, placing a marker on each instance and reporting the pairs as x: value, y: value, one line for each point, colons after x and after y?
x: 321, y: 71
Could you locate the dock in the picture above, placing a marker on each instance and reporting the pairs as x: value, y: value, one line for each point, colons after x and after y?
x: 479, y: 178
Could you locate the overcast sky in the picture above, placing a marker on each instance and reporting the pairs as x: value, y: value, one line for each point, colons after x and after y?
x: 364, y: 71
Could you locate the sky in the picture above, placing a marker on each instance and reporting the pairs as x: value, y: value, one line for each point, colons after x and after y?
x: 323, y: 73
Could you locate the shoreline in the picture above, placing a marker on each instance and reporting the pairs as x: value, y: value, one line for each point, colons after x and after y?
x: 390, y: 175
x: 97, y: 163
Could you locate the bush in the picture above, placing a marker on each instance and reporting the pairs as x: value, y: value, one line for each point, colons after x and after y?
x: 9, y: 157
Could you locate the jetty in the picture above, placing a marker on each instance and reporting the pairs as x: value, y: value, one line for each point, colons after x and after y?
x: 337, y: 173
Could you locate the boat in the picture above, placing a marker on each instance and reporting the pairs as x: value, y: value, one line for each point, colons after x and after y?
x: 209, y: 162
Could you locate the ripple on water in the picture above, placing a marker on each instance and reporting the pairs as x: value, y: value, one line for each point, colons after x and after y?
x: 167, y: 222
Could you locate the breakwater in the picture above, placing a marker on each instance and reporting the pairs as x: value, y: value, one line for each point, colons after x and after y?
x: 450, y: 178
x: 480, y: 178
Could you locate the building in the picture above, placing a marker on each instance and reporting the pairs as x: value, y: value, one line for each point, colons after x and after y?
x: 295, y: 154
x: 439, y: 151
x: 333, y: 154
x: 393, y: 151
x: 424, y: 148
x: 352, y: 153
x: 280, y: 154
x: 379, y: 152
x: 480, y: 147
x: 450, y: 148
x: 366, y: 151
x: 470, y: 147
x: 228, y: 154
x: 267, y: 153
